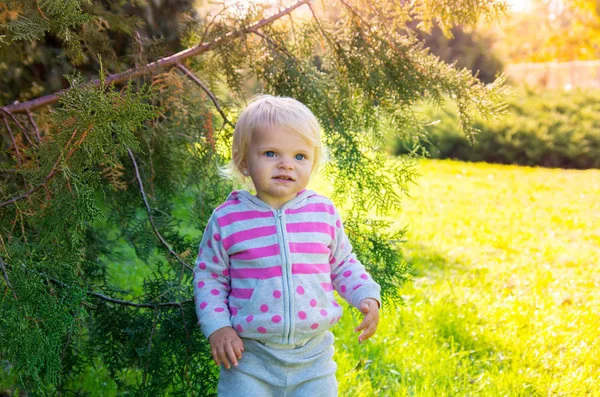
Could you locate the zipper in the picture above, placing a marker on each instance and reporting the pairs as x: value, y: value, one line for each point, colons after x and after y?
x: 287, y: 292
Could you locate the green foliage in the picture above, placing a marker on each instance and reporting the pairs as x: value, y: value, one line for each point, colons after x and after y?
x: 548, y: 129
x: 106, y: 210
x: 60, y: 18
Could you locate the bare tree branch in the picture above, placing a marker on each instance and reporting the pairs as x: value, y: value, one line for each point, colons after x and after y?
x: 7, y: 279
x: 154, y: 322
x: 149, y: 210
x: 12, y: 138
x: 35, y: 127
x: 14, y: 119
x: 273, y: 43
x: 172, y: 60
x: 213, y: 21
x: 138, y: 305
x: 208, y: 92
x: 151, y: 305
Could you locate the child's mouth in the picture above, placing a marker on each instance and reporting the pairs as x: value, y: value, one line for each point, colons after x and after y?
x: 284, y: 178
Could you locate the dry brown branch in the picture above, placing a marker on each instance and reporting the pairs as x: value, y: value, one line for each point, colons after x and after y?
x: 170, y: 61
x: 14, y: 119
x: 38, y: 138
x: 149, y: 210
x: 4, y: 246
x: 37, y: 3
x: 208, y: 92
x: 12, y: 138
x: 19, y: 216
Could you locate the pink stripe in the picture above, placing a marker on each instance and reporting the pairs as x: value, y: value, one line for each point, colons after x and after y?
x: 248, y: 235
x: 228, y: 203
x: 311, y: 227
x: 327, y: 287
x: 307, y: 268
x: 242, y: 216
x: 315, y: 207
x: 242, y: 293
x: 261, y: 274
x: 309, y: 248
x: 257, y: 253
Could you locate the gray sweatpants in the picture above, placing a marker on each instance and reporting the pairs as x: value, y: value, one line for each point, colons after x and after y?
x: 306, y: 371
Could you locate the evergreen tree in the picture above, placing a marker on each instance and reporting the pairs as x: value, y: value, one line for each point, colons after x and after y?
x: 105, y: 187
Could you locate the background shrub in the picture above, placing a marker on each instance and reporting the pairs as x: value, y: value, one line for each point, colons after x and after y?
x: 549, y: 129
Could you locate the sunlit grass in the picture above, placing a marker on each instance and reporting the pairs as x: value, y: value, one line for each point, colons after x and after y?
x: 505, y: 299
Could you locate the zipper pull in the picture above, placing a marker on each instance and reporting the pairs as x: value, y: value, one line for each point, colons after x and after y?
x: 279, y: 214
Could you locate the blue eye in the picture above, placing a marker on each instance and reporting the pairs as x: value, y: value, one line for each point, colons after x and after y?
x: 270, y: 153
x: 300, y: 157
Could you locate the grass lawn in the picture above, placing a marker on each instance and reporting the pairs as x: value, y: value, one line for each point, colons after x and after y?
x: 506, y: 293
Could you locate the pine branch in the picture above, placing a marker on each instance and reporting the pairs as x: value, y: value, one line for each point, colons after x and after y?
x: 385, y: 37
x: 149, y: 210
x: 170, y: 61
x: 208, y: 92
x: 54, y: 170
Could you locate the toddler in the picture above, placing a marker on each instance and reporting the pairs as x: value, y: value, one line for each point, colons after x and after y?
x: 268, y: 263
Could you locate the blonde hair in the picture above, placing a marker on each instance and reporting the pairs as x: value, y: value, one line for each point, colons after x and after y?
x: 267, y: 112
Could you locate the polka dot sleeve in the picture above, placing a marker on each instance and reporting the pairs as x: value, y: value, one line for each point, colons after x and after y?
x: 212, y: 283
x: 348, y: 276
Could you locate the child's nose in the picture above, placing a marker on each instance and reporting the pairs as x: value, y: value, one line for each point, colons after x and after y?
x: 286, y: 163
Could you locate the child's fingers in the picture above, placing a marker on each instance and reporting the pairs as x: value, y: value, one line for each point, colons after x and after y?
x: 367, y: 333
x: 238, y: 348
x: 222, y: 355
x: 215, y: 354
x: 231, y: 355
x: 369, y: 317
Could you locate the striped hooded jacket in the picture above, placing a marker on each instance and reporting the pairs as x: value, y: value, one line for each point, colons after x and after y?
x: 270, y: 273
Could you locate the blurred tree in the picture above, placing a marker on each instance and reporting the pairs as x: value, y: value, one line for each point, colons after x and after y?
x: 553, y: 31
x: 468, y: 48
x: 106, y: 187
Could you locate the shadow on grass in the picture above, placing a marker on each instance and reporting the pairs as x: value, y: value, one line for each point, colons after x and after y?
x: 428, y: 262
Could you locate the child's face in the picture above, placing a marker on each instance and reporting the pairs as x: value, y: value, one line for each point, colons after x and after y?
x: 280, y: 165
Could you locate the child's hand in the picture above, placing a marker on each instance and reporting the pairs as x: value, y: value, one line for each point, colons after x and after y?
x: 370, y: 308
x: 225, y: 346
